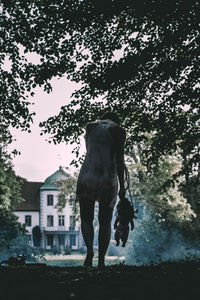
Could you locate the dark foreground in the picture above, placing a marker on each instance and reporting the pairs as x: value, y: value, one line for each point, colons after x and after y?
x: 164, y: 281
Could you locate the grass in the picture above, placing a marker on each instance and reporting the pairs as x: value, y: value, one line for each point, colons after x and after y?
x: 77, y: 260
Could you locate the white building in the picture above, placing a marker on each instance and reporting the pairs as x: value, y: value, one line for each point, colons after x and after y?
x: 59, y: 230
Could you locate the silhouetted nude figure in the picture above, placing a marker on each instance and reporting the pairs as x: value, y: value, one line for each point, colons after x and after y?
x: 98, y: 181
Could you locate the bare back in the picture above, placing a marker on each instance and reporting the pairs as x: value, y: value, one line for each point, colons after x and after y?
x: 97, y: 180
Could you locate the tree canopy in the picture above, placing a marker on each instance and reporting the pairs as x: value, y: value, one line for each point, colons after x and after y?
x: 138, y: 58
x: 10, y: 197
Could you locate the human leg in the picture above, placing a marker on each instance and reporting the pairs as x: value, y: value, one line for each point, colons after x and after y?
x: 105, y: 217
x: 87, y: 217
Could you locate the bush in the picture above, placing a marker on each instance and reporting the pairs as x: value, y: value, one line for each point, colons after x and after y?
x: 36, y: 236
x: 68, y: 250
x: 83, y: 250
x: 154, y: 241
x: 21, y: 246
x: 56, y: 250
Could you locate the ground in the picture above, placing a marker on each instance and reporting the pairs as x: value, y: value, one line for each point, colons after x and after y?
x: 78, y: 260
x: 39, y: 281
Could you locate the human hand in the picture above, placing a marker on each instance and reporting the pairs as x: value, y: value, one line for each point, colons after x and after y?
x: 122, y: 193
x: 116, y: 222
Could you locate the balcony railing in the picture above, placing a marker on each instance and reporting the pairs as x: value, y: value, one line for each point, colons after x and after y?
x: 61, y: 228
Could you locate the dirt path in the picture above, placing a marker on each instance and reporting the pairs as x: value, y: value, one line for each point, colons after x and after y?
x: 165, y: 281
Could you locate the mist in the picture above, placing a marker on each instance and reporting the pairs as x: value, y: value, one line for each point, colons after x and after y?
x: 153, y: 242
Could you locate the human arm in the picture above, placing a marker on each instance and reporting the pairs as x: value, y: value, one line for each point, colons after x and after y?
x: 119, y: 136
x: 132, y: 225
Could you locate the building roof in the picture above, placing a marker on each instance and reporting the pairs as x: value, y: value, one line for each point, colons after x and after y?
x: 31, y: 190
x: 31, y: 194
x: 54, y: 181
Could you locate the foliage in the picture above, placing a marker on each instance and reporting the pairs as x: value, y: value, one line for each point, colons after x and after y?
x: 166, y: 218
x: 14, y: 88
x: 36, y: 236
x: 10, y: 184
x: 13, y: 238
x: 190, y: 187
x: 9, y: 228
x: 10, y: 195
x: 20, y: 245
x: 10, y: 187
x: 165, y: 203
x: 56, y: 250
x: 154, y: 242
x: 68, y: 250
x: 139, y: 58
x: 83, y: 250
x: 68, y: 195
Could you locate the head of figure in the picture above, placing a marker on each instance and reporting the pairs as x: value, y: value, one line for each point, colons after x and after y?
x: 111, y: 116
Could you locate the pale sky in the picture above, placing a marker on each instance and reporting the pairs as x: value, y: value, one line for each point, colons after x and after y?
x: 39, y: 159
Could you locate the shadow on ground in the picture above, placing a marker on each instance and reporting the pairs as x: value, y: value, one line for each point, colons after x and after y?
x: 164, y: 281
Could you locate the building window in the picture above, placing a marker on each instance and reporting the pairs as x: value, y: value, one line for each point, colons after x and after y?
x: 72, y: 240
x: 50, y: 200
x: 49, y: 221
x: 61, y: 220
x: 59, y: 183
x: 28, y: 220
x: 72, y: 222
x: 50, y: 240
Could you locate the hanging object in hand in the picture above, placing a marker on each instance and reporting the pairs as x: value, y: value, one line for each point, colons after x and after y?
x: 124, y: 215
x: 124, y: 218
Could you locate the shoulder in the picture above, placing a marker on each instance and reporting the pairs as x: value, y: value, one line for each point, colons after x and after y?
x: 90, y: 126
x: 118, y: 133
